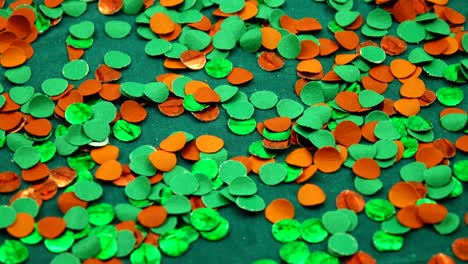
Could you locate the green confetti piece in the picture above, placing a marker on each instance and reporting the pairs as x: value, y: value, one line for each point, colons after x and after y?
x: 442, y: 192
x: 419, y: 55
x: 8, y: 216
x: 252, y: 203
x: 379, y: 19
x: 12, y: 251
x: 207, y: 167
x: 126, y: 212
x: 125, y: 131
x: 289, y: 46
x: 183, y: 183
x: 218, y: 68
x: 205, y: 219
x: 368, y: 31
x: 54, y: 86
x: 231, y: 169
x: 286, y: 230
x: 348, y: 73
x: 438, y: 26
x: 257, y: 149
x: 15, y: 141
x: 76, y: 218
x: 342, y: 244
x: 126, y: 243
x: 190, y: 104
x: 411, y: 31
x: 173, y: 243
x: 100, y: 214
x: 87, y: 247
x: 294, y: 252
x: 274, y: 3
x: 373, y: 54
x: 190, y: 16
x: 82, y: 30
x: 369, y: 98
x: 322, y: 138
x: 392, y: 226
x: 197, y: 40
x: 81, y: 162
x: 157, y: 92
x: 220, y: 232
x: 272, y: 173
x: 26, y: 205
x: 157, y: 47
x: 413, y: 171
x: 312, y: 93
x: 384, y: 242
x: 242, y: 127
x: 65, y: 258
x: 450, y: 96
x: 176, y: 50
x: 32, y: 239
x: 88, y: 190
x: 312, y: 231
x: 367, y: 187
x: 460, y: 170
x: 289, y: 108
x: 322, y: 257
x: 74, y: 8
x: 345, y: 18
x: 435, y: 68
x: 449, y: 225
x: 19, y: 75
x: 79, y: 43
x: 230, y: 7
x: 215, y: 199
x: 132, y: 7
x: 118, y: 29
x: 241, y: 110
x: 21, y: 94
x: 336, y: 221
x: 26, y: 157
x: 226, y: 92
x: 379, y: 210
x: 438, y: 176
x: 117, y: 59
x: 75, y: 70
x: 264, y: 100
x: 60, y: 244
x: 251, y: 40
x: 464, y: 42
x: 224, y: 40
x: 96, y: 129
x: 386, y: 130
x: 177, y: 204
x: 138, y: 189
x: 242, y: 186
x: 454, y: 122
x: 41, y: 106
x: 78, y: 113
x: 53, y: 13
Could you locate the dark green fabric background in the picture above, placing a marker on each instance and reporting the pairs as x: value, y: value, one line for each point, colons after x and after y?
x: 250, y: 235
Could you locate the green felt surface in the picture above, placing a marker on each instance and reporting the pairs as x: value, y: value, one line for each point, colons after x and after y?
x: 250, y: 234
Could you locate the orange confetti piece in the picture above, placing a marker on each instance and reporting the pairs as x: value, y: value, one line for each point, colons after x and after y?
x: 366, y: 168
x: 161, y: 23
x: 328, y: 159
x: 163, y: 160
x: 310, y: 195
x: 209, y: 143
x: 279, y: 209
x: 239, y: 76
